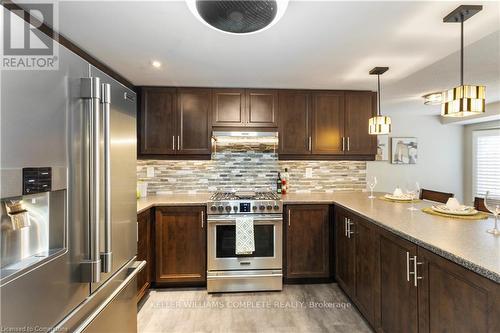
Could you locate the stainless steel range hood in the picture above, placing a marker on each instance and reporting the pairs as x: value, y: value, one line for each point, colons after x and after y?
x: 245, y: 137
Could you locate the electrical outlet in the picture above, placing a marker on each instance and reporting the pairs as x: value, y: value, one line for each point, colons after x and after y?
x: 309, y: 172
x: 150, y: 172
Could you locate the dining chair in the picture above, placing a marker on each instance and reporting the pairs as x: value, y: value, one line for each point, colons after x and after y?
x: 479, y: 204
x: 435, y: 195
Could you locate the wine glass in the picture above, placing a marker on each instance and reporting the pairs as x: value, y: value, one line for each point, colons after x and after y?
x: 413, y: 190
x: 493, y: 205
x: 371, y: 184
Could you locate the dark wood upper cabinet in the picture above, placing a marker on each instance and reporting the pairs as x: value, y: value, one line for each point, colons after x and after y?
x: 157, y: 121
x: 360, y: 106
x: 294, y: 122
x: 180, y: 243
x: 194, y: 121
x: 262, y: 108
x: 398, y: 303
x: 454, y: 299
x: 245, y: 108
x: 144, y: 252
x: 327, y: 122
x: 229, y: 107
x: 307, y: 253
x: 311, y: 124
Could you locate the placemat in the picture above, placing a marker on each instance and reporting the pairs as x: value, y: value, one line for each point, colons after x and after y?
x: 398, y: 201
x: 478, y: 216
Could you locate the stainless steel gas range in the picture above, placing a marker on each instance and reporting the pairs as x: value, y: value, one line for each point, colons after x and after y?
x: 261, y: 270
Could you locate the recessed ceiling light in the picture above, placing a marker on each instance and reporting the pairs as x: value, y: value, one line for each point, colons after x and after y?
x: 156, y: 64
x: 434, y: 98
x: 238, y: 17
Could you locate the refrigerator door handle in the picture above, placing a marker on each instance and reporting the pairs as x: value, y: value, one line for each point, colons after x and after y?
x: 91, y: 95
x: 106, y: 256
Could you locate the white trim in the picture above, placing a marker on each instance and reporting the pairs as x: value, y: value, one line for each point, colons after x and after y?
x: 475, y: 135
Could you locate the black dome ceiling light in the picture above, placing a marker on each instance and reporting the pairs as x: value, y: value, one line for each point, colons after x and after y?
x: 238, y: 17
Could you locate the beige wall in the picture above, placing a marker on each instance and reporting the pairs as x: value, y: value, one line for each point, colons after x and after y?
x: 468, y: 129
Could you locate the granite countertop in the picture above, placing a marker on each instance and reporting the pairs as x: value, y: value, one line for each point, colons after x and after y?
x: 465, y: 242
x: 171, y: 200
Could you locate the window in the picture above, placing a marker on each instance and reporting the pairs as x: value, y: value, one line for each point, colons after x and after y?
x: 486, y: 162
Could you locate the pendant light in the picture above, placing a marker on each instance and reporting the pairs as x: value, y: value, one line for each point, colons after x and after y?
x: 464, y: 100
x: 379, y: 124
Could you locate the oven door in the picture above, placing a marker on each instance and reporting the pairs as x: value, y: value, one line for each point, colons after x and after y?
x: 221, y: 245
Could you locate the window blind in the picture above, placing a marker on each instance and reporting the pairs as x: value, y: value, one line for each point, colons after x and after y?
x: 486, y: 163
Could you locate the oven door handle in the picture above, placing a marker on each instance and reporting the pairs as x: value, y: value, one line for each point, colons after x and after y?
x: 232, y: 220
x: 243, y: 276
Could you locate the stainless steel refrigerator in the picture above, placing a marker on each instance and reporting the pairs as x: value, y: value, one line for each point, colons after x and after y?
x: 68, y: 200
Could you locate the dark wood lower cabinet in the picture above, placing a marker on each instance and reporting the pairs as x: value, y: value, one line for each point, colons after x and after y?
x: 307, y: 242
x: 357, y: 261
x: 367, y: 277
x: 345, y: 268
x: 144, y: 252
x: 401, y: 287
x: 180, y: 245
x: 398, y: 301
x: 454, y: 299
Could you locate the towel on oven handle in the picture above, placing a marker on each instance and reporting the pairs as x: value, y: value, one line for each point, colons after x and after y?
x: 245, y: 240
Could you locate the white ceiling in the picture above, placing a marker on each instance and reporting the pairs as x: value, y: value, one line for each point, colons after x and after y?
x: 317, y: 44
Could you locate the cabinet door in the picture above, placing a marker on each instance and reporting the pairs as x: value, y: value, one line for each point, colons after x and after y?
x: 327, y: 122
x: 345, y: 268
x: 157, y: 121
x: 453, y: 299
x: 398, y: 306
x: 262, y: 108
x: 307, y: 242
x: 193, y: 121
x: 228, y: 107
x: 359, y: 108
x: 294, y: 122
x: 144, y: 252
x: 367, y: 277
x: 180, y: 245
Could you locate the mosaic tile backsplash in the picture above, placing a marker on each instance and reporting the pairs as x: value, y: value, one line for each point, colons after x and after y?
x: 245, y: 169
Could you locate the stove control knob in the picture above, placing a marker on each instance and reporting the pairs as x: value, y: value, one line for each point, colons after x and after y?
x: 220, y: 208
x: 254, y: 207
x: 269, y: 207
x: 276, y: 207
x: 262, y: 207
x: 235, y: 208
x: 228, y: 208
x: 213, y: 208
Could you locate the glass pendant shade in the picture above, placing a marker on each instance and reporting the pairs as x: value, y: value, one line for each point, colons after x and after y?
x: 463, y: 101
x: 379, y: 125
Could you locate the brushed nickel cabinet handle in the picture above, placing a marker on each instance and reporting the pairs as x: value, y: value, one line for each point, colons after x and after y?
x: 310, y: 143
x: 343, y: 143
x: 202, y: 219
x: 178, y: 142
x: 407, y: 266
x: 348, y: 144
x: 173, y: 142
x: 415, y: 271
x: 289, y: 215
x: 349, y: 224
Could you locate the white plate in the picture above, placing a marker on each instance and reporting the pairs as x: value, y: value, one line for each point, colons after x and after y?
x: 463, y: 210
x: 403, y: 197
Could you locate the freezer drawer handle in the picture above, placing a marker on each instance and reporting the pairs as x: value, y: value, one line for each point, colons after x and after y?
x: 91, y: 95
x: 106, y: 256
x: 139, y: 266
